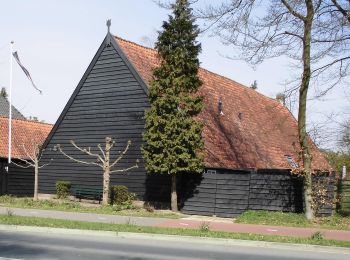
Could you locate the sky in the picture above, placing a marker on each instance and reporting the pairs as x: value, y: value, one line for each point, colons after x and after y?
x: 56, y: 41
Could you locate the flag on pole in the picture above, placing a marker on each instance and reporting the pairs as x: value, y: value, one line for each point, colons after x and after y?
x: 15, y: 55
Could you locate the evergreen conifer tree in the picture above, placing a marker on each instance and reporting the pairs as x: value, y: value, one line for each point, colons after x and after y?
x: 173, y: 138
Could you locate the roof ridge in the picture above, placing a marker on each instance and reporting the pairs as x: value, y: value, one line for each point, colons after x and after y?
x: 15, y: 110
x: 26, y: 120
x: 134, y: 43
x: 203, y: 69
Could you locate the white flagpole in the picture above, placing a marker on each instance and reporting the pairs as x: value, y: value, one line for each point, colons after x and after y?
x: 10, y: 108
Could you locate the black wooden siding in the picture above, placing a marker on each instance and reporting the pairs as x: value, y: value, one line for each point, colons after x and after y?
x: 109, y: 101
x: 228, y: 193
x: 222, y: 193
x: 275, y: 190
x: 3, y: 176
x: 18, y: 181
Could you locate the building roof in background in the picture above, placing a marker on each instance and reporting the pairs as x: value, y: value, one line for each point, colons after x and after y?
x: 254, y: 131
x: 25, y: 133
x: 4, y: 109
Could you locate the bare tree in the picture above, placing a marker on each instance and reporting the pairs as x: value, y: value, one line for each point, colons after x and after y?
x: 33, y: 161
x: 345, y: 136
x: 315, y: 34
x: 102, y: 160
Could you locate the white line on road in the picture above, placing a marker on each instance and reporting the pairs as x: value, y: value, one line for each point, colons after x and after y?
x: 271, y: 230
x: 5, y: 258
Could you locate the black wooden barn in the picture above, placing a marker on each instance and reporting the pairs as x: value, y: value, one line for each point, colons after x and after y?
x: 250, y: 139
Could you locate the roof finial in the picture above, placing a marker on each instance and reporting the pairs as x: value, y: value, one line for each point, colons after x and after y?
x: 108, y: 25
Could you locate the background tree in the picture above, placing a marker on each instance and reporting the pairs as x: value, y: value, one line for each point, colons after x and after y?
x: 103, y: 160
x: 313, y: 33
x: 34, y: 156
x: 173, y: 138
x: 341, y: 157
x: 345, y: 136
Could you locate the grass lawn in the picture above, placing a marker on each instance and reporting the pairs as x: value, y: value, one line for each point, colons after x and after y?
x: 57, y: 223
x: 293, y: 219
x: 66, y: 205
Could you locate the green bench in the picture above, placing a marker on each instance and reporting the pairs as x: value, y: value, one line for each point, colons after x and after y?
x: 88, y: 192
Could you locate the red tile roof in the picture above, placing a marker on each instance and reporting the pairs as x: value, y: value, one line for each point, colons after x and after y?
x: 254, y: 132
x: 24, y: 134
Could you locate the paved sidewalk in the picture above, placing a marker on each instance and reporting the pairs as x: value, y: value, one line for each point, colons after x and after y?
x: 191, y: 222
x: 89, y: 217
x: 258, y: 229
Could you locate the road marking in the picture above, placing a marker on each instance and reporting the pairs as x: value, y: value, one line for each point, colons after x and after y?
x: 5, y: 258
x: 271, y: 230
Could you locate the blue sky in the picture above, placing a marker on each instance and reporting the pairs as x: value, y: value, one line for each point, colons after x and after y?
x: 56, y: 40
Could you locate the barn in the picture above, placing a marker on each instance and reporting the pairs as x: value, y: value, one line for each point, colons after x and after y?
x: 15, y: 180
x: 250, y: 140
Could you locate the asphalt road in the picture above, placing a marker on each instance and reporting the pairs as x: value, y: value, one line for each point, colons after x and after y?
x: 25, y: 245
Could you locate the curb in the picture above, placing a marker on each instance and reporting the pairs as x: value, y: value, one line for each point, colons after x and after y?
x: 61, y: 231
x: 174, y: 238
x: 235, y: 242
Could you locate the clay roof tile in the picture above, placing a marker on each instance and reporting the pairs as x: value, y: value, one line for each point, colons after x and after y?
x: 254, y: 131
x: 25, y: 133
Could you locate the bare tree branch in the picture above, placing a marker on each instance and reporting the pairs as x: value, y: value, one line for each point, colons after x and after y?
x: 86, y: 151
x: 28, y: 154
x: 324, y: 67
x: 103, y: 153
x: 22, y: 166
x: 126, y: 169
x: 122, y: 154
x: 46, y: 164
x: 76, y: 160
x: 292, y: 11
x: 342, y: 10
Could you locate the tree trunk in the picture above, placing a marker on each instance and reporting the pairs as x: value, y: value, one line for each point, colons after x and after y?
x: 106, y: 172
x: 36, y: 179
x: 106, y: 180
x: 173, y: 193
x: 303, y: 138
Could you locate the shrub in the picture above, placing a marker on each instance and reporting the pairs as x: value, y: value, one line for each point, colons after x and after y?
x: 321, y: 196
x: 7, y: 199
x: 63, y: 189
x: 204, y: 226
x: 121, y: 196
x: 317, y: 236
